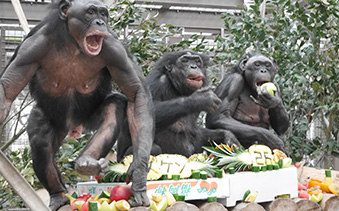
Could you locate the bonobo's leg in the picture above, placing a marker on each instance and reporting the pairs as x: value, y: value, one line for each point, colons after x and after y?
x: 125, y: 144
x: 248, y: 135
x: 45, y: 141
x: 219, y: 136
x: 108, y: 121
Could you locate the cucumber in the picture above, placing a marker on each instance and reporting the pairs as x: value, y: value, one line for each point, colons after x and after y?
x: 231, y: 170
x: 92, y: 206
x: 196, y: 174
x: 255, y: 168
x: 203, y: 175
x: 280, y: 163
x: 212, y: 199
x: 175, y: 176
x: 105, y: 194
x: 246, y: 194
x: 164, y: 177
x: 181, y: 198
x: 218, y: 173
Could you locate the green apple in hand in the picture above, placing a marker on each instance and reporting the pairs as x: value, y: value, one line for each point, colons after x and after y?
x: 270, y: 87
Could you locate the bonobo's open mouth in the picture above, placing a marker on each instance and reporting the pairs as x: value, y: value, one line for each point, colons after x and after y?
x: 93, y: 43
x: 195, y: 81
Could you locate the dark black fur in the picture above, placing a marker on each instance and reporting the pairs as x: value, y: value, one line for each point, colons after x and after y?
x: 247, y: 110
x: 177, y: 107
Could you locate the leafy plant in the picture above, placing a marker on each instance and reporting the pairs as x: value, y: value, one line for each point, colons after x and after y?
x: 302, y: 37
x: 22, y: 160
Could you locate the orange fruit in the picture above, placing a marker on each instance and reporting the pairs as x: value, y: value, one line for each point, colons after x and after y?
x: 314, y: 182
x: 279, y: 153
x: 334, y: 188
x: 325, y: 188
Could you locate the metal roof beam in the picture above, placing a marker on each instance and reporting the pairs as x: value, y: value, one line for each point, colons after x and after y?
x: 226, y: 4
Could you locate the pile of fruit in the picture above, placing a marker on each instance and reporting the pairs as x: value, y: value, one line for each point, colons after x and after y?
x: 117, y: 199
x: 314, y: 188
x: 222, y: 157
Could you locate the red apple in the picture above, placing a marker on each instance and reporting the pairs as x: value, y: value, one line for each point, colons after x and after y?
x: 85, y: 207
x: 121, y: 192
x: 297, y: 164
x: 300, y: 186
x: 303, y: 194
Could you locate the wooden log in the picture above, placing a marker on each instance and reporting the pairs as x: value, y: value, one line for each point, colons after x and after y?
x: 65, y: 208
x: 329, y: 202
x: 215, y: 206
x: 243, y: 206
x: 281, y: 204
x: 306, y: 205
x: 182, y: 206
x: 139, y: 209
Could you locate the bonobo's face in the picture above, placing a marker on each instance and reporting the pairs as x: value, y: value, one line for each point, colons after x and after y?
x: 191, y: 67
x: 87, y: 23
x: 258, y: 70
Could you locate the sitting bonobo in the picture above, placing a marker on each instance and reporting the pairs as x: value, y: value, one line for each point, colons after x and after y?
x: 248, y: 110
x: 69, y: 61
x: 180, y: 89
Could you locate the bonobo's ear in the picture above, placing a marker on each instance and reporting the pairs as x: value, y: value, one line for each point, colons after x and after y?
x: 243, y: 61
x: 168, y: 66
x: 63, y: 8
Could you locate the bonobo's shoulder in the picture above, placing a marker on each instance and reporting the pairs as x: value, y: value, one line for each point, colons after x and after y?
x: 233, y: 78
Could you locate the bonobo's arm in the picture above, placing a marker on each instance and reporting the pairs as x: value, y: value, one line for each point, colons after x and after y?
x: 229, y: 90
x: 19, y: 71
x: 279, y: 118
x: 168, y: 112
x: 140, y: 114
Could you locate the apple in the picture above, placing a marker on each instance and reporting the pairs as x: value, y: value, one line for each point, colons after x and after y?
x: 297, y: 164
x: 121, y: 192
x: 304, y: 194
x: 270, y: 87
x: 158, y: 206
x: 316, y: 197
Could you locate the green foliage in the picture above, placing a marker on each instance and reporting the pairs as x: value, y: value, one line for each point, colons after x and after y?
x: 22, y: 160
x: 303, y: 38
x: 145, y: 38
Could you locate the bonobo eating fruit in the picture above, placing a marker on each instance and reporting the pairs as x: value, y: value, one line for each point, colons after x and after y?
x: 248, y: 110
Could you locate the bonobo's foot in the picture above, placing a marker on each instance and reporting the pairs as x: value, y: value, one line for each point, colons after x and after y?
x: 87, y: 165
x: 139, y: 176
x: 76, y: 132
x: 57, y: 201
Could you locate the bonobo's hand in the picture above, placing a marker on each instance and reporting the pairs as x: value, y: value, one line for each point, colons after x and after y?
x: 229, y: 138
x: 138, y: 174
x: 265, y: 99
x: 205, y: 100
x: 87, y: 165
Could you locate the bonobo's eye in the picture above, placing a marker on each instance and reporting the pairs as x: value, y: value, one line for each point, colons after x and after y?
x: 90, y: 11
x: 184, y: 60
x: 268, y: 64
x: 104, y: 13
x: 198, y: 62
x: 257, y: 64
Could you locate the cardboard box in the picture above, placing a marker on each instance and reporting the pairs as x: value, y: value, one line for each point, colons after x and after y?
x: 191, y: 188
x: 228, y: 190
